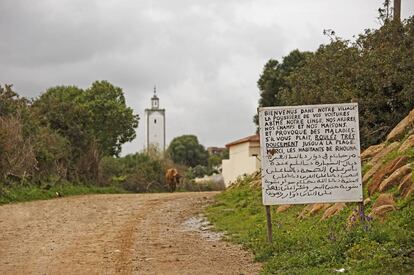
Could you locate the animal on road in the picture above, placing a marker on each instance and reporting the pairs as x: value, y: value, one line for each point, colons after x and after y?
x: 172, y: 178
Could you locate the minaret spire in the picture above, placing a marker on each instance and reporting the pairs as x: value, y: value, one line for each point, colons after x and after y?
x: 155, y: 89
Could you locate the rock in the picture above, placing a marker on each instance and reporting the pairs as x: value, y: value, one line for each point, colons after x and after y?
x: 371, y: 172
x: 283, y: 208
x: 409, y: 192
x: 405, y: 185
x: 402, y: 128
x: 407, y: 144
x: 384, y: 199
x: 318, y: 207
x: 305, y: 211
x: 384, y: 172
x: 384, y: 204
x: 395, y: 178
x: 382, y: 210
x: 372, y: 151
x: 333, y: 210
x: 388, y: 149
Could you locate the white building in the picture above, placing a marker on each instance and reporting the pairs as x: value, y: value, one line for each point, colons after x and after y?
x: 155, y: 124
x: 243, y: 158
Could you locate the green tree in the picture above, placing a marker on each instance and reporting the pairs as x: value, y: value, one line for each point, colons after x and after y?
x: 274, y: 78
x: 188, y: 151
x: 376, y: 71
x: 112, y: 122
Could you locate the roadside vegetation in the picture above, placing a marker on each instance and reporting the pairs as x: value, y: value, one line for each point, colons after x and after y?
x: 310, y: 245
x: 376, y: 70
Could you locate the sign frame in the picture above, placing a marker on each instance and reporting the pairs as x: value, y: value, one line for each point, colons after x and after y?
x: 357, y: 195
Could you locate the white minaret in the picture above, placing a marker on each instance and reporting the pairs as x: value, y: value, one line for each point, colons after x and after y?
x: 155, y: 124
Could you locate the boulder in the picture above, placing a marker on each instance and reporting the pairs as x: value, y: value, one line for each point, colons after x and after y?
x: 405, y: 125
x: 371, y: 172
x: 384, y: 172
x: 312, y: 209
x: 381, y: 211
x: 406, y: 185
x: 305, y: 211
x: 407, y: 144
x: 283, y: 208
x: 388, y: 149
x: 384, y: 204
x: 333, y: 210
x: 409, y: 192
x: 372, y: 151
x: 318, y: 207
x: 384, y: 199
x: 395, y: 178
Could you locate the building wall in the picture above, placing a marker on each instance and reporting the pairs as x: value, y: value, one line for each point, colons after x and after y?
x: 242, y: 161
x: 156, y: 128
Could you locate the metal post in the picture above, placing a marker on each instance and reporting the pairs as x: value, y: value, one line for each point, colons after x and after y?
x: 397, y: 10
x: 269, y: 224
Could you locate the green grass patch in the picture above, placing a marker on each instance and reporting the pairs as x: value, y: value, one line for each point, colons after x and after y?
x: 21, y: 193
x: 311, y: 246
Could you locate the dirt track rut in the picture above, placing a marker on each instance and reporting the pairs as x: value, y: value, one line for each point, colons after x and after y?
x: 114, y: 234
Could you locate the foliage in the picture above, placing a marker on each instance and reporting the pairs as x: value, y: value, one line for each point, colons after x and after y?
x: 140, y: 172
x: 21, y: 193
x: 96, y: 114
x: 17, y: 157
x: 376, y: 71
x: 112, y: 122
x: 62, y: 135
x: 309, y: 246
x: 274, y: 78
x: 188, y: 151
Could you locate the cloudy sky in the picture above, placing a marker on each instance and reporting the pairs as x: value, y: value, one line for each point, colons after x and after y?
x: 205, y: 56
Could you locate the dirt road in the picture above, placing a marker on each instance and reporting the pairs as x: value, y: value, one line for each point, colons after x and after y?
x: 115, y: 234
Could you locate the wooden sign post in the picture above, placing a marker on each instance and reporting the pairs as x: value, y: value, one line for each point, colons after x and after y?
x: 310, y: 154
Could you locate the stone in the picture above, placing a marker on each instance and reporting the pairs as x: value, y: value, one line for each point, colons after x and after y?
x: 318, y: 207
x: 402, y: 128
x: 382, y: 210
x: 384, y: 199
x: 407, y: 144
x: 305, y: 211
x: 388, y: 149
x: 372, y: 151
x: 333, y: 210
x: 371, y: 172
x: 406, y: 184
x: 384, y: 204
x: 395, y: 178
x: 312, y: 209
x: 409, y: 192
x: 283, y: 208
x: 384, y: 172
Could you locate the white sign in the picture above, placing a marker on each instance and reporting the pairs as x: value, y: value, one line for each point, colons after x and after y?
x: 310, y: 154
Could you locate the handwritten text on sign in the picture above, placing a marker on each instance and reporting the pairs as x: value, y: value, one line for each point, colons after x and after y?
x: 310, y: 154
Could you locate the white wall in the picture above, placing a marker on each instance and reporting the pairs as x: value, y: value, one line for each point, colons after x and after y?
x: 241, y: 161
x: 155, y: 129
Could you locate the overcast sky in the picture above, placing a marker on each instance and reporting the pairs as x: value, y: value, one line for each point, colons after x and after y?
x: 204, y: 56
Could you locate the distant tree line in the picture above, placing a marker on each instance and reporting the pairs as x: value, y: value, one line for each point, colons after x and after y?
x: 376, y: 70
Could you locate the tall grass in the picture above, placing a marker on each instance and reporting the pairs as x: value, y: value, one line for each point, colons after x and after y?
x: 21, y: 193
x: 311, y: 246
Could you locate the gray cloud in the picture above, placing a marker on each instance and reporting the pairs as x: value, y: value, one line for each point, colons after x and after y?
x: 204, y: 56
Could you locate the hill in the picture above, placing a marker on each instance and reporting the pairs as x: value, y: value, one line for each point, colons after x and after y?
x: 326, y: 238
